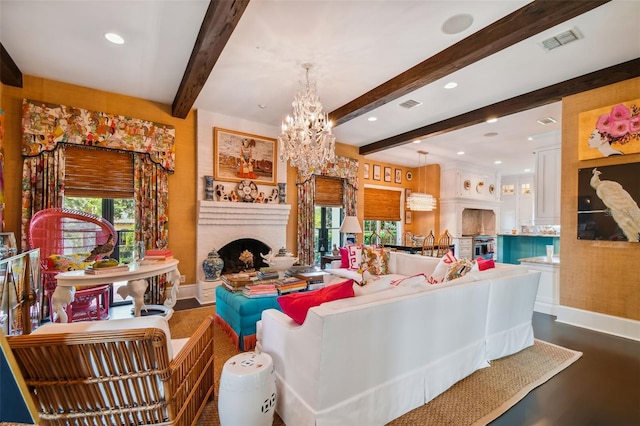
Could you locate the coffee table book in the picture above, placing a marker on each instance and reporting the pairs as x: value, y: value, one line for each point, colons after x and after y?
x: 108, y: 270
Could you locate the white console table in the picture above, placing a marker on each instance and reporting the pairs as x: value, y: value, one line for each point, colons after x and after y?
x: 137, y: 271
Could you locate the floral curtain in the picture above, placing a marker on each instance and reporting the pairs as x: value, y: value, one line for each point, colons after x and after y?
x: 151, y: 194
x: 42, y: 186
x: 344, y: 168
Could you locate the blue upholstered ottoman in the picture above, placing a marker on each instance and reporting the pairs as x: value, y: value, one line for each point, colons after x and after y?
x: 237, y: 315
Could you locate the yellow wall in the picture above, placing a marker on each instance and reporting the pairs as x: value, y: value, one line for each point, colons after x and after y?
x: 182, y: 184
x: 598, y: 276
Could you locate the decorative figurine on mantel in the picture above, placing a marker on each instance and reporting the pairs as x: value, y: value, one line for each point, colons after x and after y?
x: 212, y: 266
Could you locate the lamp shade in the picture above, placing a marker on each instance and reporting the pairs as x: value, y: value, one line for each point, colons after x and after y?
x: 351, y: 225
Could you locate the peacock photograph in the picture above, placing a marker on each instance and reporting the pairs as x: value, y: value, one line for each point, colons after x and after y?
x: 608, y: 199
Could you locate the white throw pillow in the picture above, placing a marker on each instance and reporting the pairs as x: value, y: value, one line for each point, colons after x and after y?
x: 373, y: 285
x: 441, y: 269
x: 354, y: 252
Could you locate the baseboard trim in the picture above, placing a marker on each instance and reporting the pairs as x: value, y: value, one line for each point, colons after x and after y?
x: 186, y: 291
x: 617, y: 326
x: 545, y: 308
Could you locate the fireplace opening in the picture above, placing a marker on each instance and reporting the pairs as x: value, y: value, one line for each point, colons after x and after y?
x: 231, y: 252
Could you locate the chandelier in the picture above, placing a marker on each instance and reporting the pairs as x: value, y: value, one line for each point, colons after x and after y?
x: 306, y: 139
x: 421, y: 201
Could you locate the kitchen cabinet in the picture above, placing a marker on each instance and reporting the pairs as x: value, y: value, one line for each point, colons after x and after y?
x: 548, y: 169
x: 517, y: 196
x: 463, y: 247
x: 548, y: 296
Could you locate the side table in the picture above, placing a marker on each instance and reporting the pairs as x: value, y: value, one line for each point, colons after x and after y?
x: 238, y: 315
x: 328, y: 258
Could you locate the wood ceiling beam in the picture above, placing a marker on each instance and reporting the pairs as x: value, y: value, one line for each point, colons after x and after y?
x: 10, y: 74
x: 219, y: 22
x: 520, y: 25
x: 537, y: 98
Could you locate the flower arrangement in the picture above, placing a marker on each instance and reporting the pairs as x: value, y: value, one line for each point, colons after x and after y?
x: 621, y: 125
x: 246, y: 257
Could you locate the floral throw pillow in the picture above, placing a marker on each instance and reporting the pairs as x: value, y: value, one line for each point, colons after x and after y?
x: 375, y: 260
x: 459, y: 269
x: 441, y: 269
x: 67, y: 262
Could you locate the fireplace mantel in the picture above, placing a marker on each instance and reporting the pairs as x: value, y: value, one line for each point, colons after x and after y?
x: 230, y: 213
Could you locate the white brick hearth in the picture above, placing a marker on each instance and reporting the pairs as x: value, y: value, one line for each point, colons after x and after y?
x: 221, y: 222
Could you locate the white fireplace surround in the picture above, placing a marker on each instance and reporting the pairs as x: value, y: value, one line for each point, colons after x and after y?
x: 221, y: 222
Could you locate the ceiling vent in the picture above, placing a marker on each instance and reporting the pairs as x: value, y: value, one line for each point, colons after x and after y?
x: 561, y: 39
x: 410, y: 104
x: 547, y: 120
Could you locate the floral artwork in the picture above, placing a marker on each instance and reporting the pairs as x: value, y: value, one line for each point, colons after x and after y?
x: 44, y: 125
x: 609, y: 131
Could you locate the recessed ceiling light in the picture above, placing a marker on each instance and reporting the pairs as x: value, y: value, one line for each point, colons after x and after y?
x: 530, y: 138
x: 261, y: 106
x: 451, y: 85
x: 457, y: 23
x: 460, y: 152
x: 417, y: 141
x: 497, y: 162
x: 114, y: 38
x: 492, y: 120
x: 527, y: 170
x: 372, y: 118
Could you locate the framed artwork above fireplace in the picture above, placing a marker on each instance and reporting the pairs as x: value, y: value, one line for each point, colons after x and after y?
x: 238, y: 156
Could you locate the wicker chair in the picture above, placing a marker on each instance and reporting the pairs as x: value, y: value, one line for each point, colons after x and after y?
x: 428, y: 248
x: 104, y: 373
x: 444, y: 243
x: 60, y: 231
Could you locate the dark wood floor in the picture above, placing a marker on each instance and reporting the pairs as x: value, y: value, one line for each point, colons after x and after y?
x: 601, y: 388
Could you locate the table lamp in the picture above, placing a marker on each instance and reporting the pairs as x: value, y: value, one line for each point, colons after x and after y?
x: 350, y: 226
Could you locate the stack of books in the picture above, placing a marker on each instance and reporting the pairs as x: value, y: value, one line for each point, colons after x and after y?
x: 291, y: 284
x: 267, y: 274
x: 158, y: 254
x: 236, y: 282
x: 260, y: 290
x: 314, y: 279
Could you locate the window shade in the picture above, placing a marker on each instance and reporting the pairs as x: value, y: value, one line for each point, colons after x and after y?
x: 98, y: 173
x: 328, y: 192
x: 381, y: 204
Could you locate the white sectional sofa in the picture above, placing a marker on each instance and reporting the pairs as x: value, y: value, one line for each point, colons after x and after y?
x: 372, y: 358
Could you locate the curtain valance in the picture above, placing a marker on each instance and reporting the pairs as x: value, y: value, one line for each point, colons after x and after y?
x: 45, y: 125
x: 342, y: 167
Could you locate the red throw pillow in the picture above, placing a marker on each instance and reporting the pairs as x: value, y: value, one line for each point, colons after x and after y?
x: 485, y: 263
x: 344, y: 257
x: 296, y: 305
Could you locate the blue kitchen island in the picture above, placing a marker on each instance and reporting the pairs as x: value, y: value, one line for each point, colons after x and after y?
x: 512, y: 247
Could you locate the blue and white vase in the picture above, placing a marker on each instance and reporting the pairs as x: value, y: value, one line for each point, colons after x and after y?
x: 282, y: 193
x: 212, y: 266
x: 208, y: 188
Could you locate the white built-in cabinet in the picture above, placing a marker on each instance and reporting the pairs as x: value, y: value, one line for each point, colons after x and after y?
x: 463, y: 247
x: 517, y: 194
x: 548, y: 169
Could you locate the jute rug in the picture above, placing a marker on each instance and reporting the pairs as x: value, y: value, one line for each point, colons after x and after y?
x: 475, y: 400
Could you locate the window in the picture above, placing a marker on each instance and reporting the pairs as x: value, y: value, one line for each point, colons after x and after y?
x: 327, y: 230
x: 382, y: 215
x: 389, y: 230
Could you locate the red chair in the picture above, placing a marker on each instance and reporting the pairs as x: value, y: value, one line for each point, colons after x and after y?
x: 71, y: 235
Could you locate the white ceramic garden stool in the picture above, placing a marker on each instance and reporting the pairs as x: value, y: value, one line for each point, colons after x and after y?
x: 247, y: 390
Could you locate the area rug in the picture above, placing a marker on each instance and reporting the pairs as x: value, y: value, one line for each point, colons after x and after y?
x: 475, y: 400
